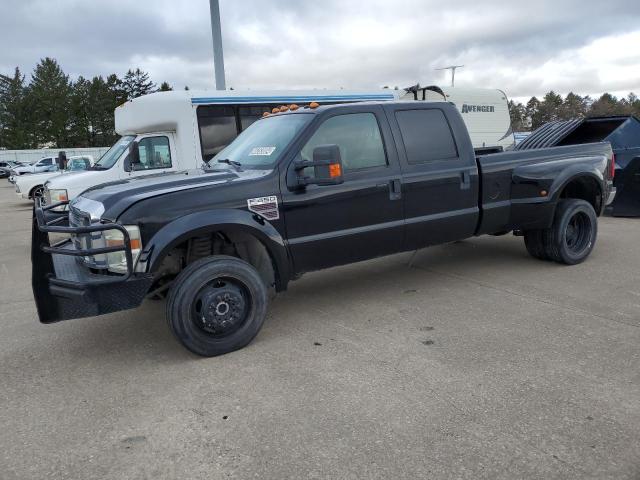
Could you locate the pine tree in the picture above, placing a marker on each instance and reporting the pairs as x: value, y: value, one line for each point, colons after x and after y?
x: 137, y: 83
x: 532, y: 110
x: 165, y: 87
x: 573, y: 106
x: 518, y: 115
x: 15, y: 131
x: 49, y: 97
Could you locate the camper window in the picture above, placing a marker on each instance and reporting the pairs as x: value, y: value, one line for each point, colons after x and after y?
x: 218, y: 128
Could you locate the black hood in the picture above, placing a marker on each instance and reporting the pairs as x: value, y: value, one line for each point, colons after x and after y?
x: 119, y: 195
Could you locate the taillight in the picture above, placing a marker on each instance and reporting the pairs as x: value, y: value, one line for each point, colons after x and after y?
x: 612, y: 172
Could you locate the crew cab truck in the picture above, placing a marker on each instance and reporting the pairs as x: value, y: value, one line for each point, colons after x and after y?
x: 194, y: 126
x: 303, y: 190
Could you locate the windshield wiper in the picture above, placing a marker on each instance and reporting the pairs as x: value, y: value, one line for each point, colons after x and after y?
x: 97, y: 167
x: 233, y: 163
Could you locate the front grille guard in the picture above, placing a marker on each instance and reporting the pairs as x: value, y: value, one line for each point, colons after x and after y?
x: 57, y: 248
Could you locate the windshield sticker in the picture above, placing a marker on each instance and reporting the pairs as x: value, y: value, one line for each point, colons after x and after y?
x: 262, y: 151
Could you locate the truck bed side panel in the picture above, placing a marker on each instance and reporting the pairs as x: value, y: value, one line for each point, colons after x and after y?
x: 513, y: 183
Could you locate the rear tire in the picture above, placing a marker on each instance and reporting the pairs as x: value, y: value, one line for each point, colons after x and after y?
x: 571, y: 237
x: 535, y: 245
x: 217, y: 305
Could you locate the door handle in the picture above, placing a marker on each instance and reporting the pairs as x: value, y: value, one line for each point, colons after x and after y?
x: 395, y: 189
x: 465, y: 180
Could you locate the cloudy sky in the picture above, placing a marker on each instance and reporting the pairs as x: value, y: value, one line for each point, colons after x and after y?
x: 523, y: 47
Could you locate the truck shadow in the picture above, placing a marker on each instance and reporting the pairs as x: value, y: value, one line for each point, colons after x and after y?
x: 143, y: 335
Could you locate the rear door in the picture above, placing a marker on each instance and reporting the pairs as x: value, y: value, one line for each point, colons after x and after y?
x: 359, y: 219
x: 440, y: 176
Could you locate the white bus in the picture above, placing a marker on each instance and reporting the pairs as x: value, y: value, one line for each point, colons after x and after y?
x: 180, y: 130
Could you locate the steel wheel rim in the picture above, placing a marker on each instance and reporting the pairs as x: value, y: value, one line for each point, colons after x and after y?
x: 577, y: 235
x: 221, y: 307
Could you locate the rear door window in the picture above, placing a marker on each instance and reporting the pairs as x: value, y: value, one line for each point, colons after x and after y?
x: 426, y: 135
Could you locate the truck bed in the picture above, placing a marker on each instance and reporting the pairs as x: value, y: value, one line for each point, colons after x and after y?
x: 512, y: 183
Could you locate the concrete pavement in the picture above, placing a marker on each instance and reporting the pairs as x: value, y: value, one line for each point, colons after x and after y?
x: 470, y: 360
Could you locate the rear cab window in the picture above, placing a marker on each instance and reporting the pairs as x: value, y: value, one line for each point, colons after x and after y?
x: 427, y: 135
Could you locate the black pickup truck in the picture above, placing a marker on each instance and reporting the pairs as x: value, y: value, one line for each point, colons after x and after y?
x: 302, y: 190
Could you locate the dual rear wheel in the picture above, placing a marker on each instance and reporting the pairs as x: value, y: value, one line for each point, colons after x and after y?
x: 571, y: 237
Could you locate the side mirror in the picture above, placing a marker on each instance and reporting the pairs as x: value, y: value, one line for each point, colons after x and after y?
x: 133, y: 158
x: 327, y: 167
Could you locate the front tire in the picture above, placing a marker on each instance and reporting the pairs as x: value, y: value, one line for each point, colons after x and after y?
x: 217, y: 305
x: 37, y: 192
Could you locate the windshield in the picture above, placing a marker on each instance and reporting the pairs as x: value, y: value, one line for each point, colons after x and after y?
x: 113, y: 154
x: 261, y: 145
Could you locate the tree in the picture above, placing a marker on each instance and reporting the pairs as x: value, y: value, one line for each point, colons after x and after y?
x: 532, y: 110
x: 518, y: 115
x: 49, y: 97
x: 549, y: 109
x: 607, y: 104
x: 165, y: 87
x: 15, y: 131
x: 137, y: 83
x: 574, y: 106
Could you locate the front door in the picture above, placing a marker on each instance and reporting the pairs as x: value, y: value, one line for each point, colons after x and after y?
x: 360, y: 218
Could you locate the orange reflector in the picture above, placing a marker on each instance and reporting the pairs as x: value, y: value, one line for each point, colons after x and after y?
x: 266, y: 114
x: 284, y: 108
x: 135, y: 243
x: 275, y: 110
x: 335, y: 170
x: 314, y: 105
x: 293, y: 107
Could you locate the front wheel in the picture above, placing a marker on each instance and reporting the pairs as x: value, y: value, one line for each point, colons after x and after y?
x: 37, y: 192
x: 217, y: 305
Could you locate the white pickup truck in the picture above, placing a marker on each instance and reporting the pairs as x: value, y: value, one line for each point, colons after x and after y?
x: 31, y: 186
x: 180, y: 130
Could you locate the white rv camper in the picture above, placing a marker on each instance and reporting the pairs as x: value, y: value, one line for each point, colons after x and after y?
x: 485, y: 111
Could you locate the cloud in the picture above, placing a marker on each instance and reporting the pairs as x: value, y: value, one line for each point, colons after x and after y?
x: 524, y: 48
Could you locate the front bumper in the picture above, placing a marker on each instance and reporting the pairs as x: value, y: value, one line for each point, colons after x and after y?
x: 63, y: 287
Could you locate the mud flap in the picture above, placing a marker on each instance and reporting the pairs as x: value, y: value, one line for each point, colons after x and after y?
x: 627, y: 183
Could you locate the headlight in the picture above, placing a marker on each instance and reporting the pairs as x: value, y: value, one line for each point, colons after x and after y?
x: 58, y: 196
x: 117, y: 261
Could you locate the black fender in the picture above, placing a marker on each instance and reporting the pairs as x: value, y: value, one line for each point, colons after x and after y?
x: 530, y: 208
x: 198, y: 223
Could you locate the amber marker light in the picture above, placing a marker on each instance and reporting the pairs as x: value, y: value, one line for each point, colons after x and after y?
x: 265, y: 114
x: 275, y: 110
x: 335, y: 170
x: 314, y: 105
x: 284, y: 108
x: 293, y: 107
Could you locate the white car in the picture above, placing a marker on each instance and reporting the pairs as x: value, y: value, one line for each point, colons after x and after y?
x: 46, y: 164
x: 31, y: 187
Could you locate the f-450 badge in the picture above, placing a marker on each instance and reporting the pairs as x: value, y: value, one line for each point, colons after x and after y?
x: 266, y: 207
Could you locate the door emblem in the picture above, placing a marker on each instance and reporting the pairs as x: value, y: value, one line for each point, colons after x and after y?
x: 266, y: 207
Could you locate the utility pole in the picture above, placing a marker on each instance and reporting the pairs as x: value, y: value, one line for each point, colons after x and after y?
x: 216, y: 33
x: 453, y: 72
